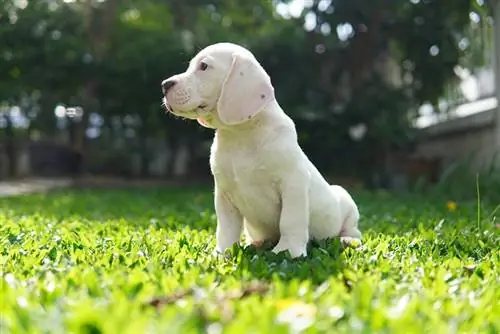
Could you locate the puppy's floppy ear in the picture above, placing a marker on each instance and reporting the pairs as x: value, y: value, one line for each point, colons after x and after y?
x: 245, y: 91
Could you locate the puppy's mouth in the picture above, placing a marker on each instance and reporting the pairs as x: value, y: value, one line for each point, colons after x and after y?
x: 202, y: 108
x: 165, y: 105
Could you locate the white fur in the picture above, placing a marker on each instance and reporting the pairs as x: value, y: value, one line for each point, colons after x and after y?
x: 264, y: 183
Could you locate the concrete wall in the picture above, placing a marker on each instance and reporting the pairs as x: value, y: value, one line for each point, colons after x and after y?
x: 469, y: 139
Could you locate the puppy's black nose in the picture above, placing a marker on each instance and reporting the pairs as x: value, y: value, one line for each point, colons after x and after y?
x: 166, y: 85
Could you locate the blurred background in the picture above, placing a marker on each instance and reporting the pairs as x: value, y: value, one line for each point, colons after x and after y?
x: 396, y: 94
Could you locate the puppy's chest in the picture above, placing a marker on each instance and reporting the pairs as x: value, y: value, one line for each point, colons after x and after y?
x: 250, y: 184
x: 235, y: 169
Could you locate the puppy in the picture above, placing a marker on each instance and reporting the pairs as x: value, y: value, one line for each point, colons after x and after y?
x: 264, y: 183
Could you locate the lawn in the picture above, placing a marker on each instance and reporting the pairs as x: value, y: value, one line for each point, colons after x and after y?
x: 136, y: 261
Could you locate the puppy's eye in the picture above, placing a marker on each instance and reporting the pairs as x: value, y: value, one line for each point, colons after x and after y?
x: 203, y: 66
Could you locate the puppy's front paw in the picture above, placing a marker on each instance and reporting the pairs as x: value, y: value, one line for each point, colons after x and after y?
x: 220, y: 254
x: 295, y: 250
x: 350, y: 242
x: 216, y: 252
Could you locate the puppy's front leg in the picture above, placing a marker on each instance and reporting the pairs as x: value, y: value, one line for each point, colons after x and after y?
x: 229, y: 222
x: 294, y: 220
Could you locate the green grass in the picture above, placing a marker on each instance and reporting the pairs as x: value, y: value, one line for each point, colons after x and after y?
x: 93, y: 261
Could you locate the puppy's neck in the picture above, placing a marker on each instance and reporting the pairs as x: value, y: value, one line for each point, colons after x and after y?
x: 270, y: 117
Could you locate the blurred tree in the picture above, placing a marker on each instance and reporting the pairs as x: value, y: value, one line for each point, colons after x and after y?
x: 374, y: 64
x: 40, y: 64
x: 351, y: 73
x: 151, y: 41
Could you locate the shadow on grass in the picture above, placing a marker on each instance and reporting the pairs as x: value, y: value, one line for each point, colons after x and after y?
x: 323, y: 261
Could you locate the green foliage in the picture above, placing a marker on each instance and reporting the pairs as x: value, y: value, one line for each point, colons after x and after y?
x: 419, y: 30
x: 111, y: 56
x: 91, y: 261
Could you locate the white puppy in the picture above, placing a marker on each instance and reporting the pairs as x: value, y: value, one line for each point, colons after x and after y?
x: 264, y: 183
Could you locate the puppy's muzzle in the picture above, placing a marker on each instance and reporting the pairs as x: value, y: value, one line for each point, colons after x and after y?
x: 166, y: 85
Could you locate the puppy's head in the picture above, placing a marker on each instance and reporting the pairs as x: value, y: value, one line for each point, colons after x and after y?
x: 224, y: 85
